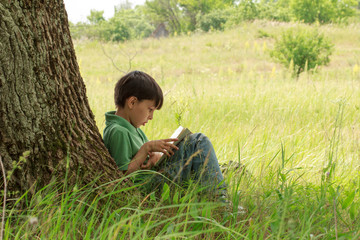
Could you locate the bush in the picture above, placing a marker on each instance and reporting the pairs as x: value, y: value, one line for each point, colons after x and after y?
x: 324, y: 11
x: 135, y: 20
x: 302, y: 49
x: 114, y: 30
x: 277, y: 11
x: 213, y: 20
x: 246, y: 10
x: 124, y: 25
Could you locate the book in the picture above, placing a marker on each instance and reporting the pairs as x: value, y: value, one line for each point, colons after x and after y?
x: 180, y: 133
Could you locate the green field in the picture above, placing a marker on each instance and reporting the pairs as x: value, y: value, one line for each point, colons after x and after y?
x: 224, y: 84
x: 299, y: 139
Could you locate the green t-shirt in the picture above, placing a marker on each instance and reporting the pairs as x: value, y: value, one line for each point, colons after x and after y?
x: 122, y: 139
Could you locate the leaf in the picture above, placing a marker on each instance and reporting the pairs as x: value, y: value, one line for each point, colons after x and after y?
x: 26, y: 154
x: 194, y: 212
x: 176, y: 198
x: 152, y: 196
x: 353, y: 211
x: 206, y: 212
x: 348, y: 200
x: 279, y: 194
x: 332, y: 191
x: 197, y: 226
x: 166, y: 192
x: 283, y: 177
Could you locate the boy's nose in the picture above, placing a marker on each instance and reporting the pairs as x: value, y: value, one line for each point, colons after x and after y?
x: 150, y: 116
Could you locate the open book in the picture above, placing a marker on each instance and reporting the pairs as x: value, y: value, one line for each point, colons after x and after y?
x: 180, y: 133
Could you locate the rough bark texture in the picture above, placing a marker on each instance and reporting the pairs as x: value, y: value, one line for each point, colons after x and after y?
x: 43, y: 104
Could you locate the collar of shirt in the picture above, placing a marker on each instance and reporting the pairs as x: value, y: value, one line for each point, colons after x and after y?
x: 111, y: 117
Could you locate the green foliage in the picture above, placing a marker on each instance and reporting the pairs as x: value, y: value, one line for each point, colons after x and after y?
x: 82, y: 30
x: 323, y: 11
x: 252, y: 105
x: 346, y: 9
x: 114, y: 30
x: 126, y: 24
x: 17, y: 164
x: 96, y: 17
x: 302, y: 49
x: 192, y: 8
x: 248, y: 9
x: 274, y: 10
x: 263, y: 34
x: 182, y: 16
x: 213, y: 20
x: 161, y: 11
x: 136, y: 21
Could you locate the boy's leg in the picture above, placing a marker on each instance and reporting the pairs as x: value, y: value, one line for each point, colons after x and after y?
x: 195, y: 159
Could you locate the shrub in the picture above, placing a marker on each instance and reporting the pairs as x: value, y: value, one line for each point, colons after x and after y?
x: 126, y: 24
x: 346, y: 9
x: 263, y: 34
x: 278, y: 11
x: 302, y: 49
x: 324, y: 11
x: 246, y: 10
x: 213, y: 20
x: 95, y: 17
x: 114, y: 30
x: 135, y: 20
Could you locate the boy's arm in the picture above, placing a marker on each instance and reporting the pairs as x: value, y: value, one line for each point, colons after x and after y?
x: 138, y: 159
x: 165, y: 146
x: 153, y: 158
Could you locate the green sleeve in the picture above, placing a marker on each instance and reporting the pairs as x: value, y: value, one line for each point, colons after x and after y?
x: 120, y: 149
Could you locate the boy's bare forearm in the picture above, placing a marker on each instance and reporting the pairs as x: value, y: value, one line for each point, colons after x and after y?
x: 138, y: 159
x: 157, y: 147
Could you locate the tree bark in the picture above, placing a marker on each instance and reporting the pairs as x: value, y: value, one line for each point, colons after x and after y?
x: 44, y: 110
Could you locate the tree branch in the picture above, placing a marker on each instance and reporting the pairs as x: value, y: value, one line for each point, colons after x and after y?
x: 129, y: 57
x: 112, y: 61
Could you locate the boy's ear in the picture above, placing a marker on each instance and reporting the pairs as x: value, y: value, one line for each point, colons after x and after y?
x: 131, y: 101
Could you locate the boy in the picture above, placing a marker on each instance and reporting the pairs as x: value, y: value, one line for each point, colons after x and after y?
x: 137, y: 96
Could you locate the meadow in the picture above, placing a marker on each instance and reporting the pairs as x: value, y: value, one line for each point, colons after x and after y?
x: 297, y: 138
x: 224, y: 84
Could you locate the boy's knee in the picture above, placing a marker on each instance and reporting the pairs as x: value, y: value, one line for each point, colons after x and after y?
x: 198, y: 137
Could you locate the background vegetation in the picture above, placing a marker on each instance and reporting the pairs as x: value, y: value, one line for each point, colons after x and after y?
x: 185, y: 16
x: 297, y: 138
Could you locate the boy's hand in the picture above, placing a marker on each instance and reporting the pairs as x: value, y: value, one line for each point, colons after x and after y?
x: 153, y: 158
x: 165, y: 146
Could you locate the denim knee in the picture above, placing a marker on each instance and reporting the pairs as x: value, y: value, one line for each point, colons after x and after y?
x: 199, y: 137
x: 201, y: 142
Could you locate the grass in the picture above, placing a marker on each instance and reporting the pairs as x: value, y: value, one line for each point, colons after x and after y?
x: 298, y: 139
x: 237, y: 95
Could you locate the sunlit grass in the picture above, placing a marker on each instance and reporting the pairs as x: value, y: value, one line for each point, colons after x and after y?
x: 226, y: 86
x: 298, y: 139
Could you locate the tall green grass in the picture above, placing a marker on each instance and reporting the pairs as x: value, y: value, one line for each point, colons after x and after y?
x: 297, y: 140
x: 225, y: 85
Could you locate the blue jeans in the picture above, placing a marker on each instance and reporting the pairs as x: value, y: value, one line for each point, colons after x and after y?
x: 195, y: 160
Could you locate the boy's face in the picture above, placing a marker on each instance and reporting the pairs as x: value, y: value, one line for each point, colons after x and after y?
x: 141, y: 112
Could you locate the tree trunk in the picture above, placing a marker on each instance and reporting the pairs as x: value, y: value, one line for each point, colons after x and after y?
x: 44, y: 110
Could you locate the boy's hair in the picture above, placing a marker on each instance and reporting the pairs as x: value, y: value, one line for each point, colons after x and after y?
x: 140, y: 85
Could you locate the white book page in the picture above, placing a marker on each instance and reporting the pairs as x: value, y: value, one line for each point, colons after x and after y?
x: 177, y: 132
